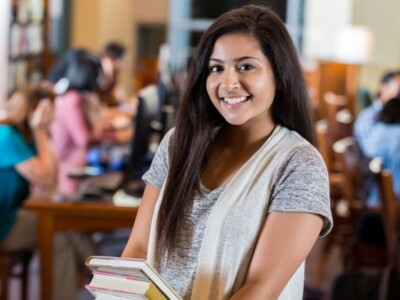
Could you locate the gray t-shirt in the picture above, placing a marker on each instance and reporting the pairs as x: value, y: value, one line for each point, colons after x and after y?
x: 301, y: 170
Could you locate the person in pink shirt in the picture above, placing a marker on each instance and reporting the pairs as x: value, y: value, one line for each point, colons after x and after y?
x: 78, y: 117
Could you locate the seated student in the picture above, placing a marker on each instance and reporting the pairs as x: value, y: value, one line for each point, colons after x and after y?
x: 385, y: 142
x: 237, y: 194
x: 120, y: 110
x: 28, y: 159
x: 112, y: 58
x: 389, y: 87
x: 78, y: 117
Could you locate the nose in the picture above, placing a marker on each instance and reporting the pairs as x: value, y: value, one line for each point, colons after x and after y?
x: 230, y: 79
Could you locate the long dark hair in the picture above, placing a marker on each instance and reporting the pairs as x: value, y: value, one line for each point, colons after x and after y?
x: 82, y: 70
x: 197, y: 118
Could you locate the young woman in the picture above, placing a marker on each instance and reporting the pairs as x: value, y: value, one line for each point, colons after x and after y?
x: 78, y: 115
x: 27, y: 159
x: 237, y: 194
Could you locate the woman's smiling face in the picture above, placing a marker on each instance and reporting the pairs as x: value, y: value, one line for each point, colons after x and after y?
x: 241, y: 83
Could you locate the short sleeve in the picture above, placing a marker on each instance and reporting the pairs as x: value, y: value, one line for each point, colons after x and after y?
x: 302, y: 185
x: 158, y: 170
x: 13, y: 147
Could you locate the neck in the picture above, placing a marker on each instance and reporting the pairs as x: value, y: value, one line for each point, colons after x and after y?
x: 241, y: 137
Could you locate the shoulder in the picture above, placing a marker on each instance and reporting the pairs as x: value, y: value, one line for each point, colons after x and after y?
x: 5, y: 130
x: 160, y: 165
x: 9, y: 134
x: 304, y: 157
x: 169, y: 134
x: 163, y: 148
x: 368, y: 113
x: 166, y: 141
x: 299, y: 158
x: 298, y: 148
x: 14, y: 146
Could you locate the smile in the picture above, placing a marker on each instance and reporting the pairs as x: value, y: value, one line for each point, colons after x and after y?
x: 235, y: 100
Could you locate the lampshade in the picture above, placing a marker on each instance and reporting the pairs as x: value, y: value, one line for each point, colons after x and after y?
x: 354, y: 45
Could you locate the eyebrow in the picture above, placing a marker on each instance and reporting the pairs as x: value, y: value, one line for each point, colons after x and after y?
x: 239, y: 59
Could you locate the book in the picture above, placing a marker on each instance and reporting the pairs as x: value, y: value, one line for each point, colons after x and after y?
x: 122, y: 286
x: 127, y: 278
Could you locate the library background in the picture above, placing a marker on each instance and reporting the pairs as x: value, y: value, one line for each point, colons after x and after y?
x: 345, y: 47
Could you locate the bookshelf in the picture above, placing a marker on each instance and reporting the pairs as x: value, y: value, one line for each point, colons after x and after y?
x: 27, y: 53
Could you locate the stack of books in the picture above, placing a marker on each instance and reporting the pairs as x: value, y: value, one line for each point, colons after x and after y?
x: 126, y: 278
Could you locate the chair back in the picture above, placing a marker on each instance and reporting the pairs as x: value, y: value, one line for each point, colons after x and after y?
x: 389, y: 207
x: 7, y: 262
x: 348, y: 159
x: 345, y: 122
x: 334, y: 103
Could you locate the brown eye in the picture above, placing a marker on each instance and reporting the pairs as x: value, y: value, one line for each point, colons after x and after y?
x: 246, y: 67
x: 215, y: 69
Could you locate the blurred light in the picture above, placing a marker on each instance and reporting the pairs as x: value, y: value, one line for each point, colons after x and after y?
x: 354, y: 45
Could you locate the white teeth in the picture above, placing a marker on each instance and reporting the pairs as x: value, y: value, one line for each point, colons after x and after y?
x: 234, y: 100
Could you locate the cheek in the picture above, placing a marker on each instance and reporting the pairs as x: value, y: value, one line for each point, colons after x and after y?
x: 267, y: 87
x: 211, y: 86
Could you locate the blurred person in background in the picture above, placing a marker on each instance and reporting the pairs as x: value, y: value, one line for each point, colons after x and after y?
x: 389, y: 87
x: 385, y: 143
x: 28, y: 160
x: 112, y: 57
x: 120, y: 110
x: 78, y: 120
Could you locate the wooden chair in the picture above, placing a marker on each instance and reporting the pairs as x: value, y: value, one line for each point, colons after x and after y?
x: 348, y: 158
x: 345, y: 122
x: 338, y: 125
x: 8, y: 262
x: 353, y: 208
x: 345, y: 205
x: 389, y: 209
x: 324, y: 146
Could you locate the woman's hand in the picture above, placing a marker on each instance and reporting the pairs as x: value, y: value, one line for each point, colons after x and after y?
x: 40, y: 169
x: 42, y: 116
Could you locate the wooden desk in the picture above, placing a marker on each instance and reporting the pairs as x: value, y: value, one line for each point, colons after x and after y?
x: 58, y: 216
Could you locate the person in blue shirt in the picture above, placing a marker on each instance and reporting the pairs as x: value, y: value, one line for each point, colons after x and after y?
x: 27, y: 160
x: 26, y: 157
x: 385, y: 143
x: 389, y: 87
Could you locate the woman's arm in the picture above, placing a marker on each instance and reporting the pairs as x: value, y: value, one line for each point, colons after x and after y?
x: 284, y: 243
x: 139, y: 238
x: 40, y: 169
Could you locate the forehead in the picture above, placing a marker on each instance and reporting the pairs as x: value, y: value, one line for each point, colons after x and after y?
x: 236, y: 45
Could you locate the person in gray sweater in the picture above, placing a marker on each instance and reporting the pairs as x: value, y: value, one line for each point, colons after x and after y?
x: 237, y: 194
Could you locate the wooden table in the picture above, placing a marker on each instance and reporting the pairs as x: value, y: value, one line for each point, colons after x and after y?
x: 58, y: 216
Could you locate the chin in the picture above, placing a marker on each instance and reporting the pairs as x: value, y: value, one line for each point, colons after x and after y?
x: 235, y: 122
